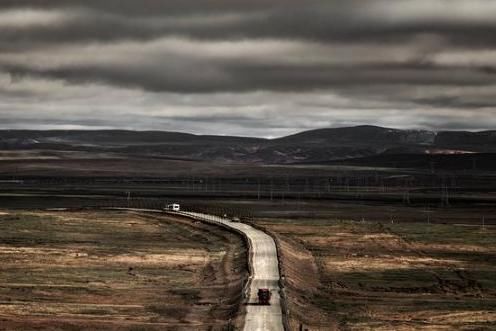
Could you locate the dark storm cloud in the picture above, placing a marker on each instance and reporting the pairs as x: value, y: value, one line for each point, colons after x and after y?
x: 405, y: 58
x: 458, y: 102
x: 52, y: 24
x: 321, y: 20
x: 246, y: 76
x: 44, y: 121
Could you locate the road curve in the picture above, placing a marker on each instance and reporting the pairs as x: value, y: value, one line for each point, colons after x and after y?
x: 265, y: 275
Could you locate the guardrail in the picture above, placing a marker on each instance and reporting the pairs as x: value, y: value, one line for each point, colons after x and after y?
x: 206, y: 218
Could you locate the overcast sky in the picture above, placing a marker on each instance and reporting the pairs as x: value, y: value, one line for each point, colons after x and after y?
x: 247, y: 67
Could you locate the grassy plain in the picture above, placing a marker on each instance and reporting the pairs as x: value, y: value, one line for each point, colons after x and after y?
x: 111, y: 270
x: 347, y: 275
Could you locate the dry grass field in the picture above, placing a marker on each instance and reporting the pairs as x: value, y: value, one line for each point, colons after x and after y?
x: 114, y: 270
x: 347, y: 275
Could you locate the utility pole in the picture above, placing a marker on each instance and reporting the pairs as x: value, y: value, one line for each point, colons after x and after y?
x: 258, y: 188
x: 406, y: 197
x: 391, y: 211
x: 445, y: 195
x: 433, y: 166
x: 271, y: 189
x: 428, y: 212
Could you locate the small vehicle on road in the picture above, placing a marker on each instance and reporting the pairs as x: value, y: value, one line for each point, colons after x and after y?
x: 264, y: 296
x: 173, y: 207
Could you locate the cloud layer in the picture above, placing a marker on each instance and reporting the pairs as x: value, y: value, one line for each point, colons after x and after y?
x: 256, y: 67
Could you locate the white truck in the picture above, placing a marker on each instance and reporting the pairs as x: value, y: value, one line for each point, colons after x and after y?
x: 173, y: 207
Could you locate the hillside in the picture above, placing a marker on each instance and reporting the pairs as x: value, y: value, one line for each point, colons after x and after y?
x: 484, y: 141
x: 313, y: 146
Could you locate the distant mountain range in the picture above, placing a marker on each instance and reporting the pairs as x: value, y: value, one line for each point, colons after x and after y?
x: 315, y: 146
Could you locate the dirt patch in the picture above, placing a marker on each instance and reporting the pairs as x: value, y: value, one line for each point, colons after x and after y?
x: 385, y: 262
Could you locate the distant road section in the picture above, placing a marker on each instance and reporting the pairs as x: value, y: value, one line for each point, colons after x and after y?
x: 265, y: 275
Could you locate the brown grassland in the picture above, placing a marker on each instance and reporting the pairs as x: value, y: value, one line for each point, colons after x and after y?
x: 112, y: 270
x: 344, y: 275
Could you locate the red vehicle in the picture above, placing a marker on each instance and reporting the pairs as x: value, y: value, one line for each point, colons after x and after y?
x: 264, y: 296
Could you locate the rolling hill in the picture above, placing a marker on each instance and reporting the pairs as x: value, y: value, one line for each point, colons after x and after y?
x: 315, y: 146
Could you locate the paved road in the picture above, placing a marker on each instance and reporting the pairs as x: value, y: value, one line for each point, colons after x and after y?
x: 265, y: 275
x: 265, y: 272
